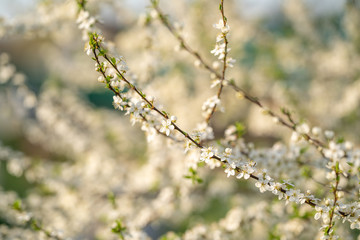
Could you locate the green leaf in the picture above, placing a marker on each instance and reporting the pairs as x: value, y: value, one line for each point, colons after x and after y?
x: 119, y: 76
x: 102, y: 52
x: 303, y: 150
x: 81, y: 4
x: 193, y: 176
x: 119, y: 228
x: 337, y: 168
x: 232, y: 81
x: 165, y: 113
x: 17, y: 205
x: 142, y: 94
x: 112, y: 200
x: 35, y: 226
x: 155, y: 2
x: 201, y: 164
x: 240, y: 129
x: 306, y: 172
x: 285, y: 111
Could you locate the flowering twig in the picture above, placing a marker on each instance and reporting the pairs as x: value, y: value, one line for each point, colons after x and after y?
x: 241, y: 92
x: 333, y: 208
x: 223, y: 26
x: 264, y: 182
x: 31, y: 221
x: 96, y: 46
x: 117, y: 93
x: 164, y: 20
x: 234, y: 166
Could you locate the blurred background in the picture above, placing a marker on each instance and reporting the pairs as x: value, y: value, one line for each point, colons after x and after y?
x: 56, y: 119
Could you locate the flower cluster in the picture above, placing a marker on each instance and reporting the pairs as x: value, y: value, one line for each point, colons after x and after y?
x: 238, y: 161
x: 85, y: 22
x: 221, y: 47
x: 210, y: 104
x: 16, y: 83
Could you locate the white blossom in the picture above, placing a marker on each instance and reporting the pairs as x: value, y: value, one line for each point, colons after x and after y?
x: 230, y: 169
x: 118, y: 102
x: 221, y: 26
x: 167, y: 127
x: 207, y: 154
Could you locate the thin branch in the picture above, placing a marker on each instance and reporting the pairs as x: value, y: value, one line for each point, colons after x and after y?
x: 335, y: 189
x: 186, y: 135
x: 254, y: 100
x: 226, y: 42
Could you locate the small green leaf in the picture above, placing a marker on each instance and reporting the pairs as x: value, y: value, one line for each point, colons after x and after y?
x: 285, y: 111
x: 119, y: 228
x: 112, y: 200
x: 306, y: 172
x: 155, y: 2
x: 337, y: 168
x: 17, y: 205
x: 303, y: 150
x: 193, y: 176
x: 35, y: 226
x: 201, y: 164
x: 240, y: 129
x: 142, y: 94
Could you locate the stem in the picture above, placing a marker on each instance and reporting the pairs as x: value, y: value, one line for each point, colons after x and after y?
x: 142, y: 96
x: 222, y: 78
x: 254, y: 100
x: 335, y: 188
x: 118, y: 94
x: 186, y: 135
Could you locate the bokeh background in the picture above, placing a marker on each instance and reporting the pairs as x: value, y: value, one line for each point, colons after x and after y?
x: 64, y: 147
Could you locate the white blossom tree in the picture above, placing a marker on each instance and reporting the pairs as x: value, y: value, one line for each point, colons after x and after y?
x: 249, y: 126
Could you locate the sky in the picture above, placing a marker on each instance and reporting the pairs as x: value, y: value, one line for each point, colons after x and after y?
x: 11, y: 8
x: 250, y: 8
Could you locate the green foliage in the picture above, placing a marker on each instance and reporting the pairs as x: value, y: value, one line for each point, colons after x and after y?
x: 112, y: 200
x: 17, y: 205
x: 193, y: 176
x: 35, y: 226
x: 113, y: 60
x: 119, y: 228
x: 81, y: 3
x: 240, y: 129
x: 340, y: 140
x: 154, y: 2
x: 306, y: 172
x: 303, y: 150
